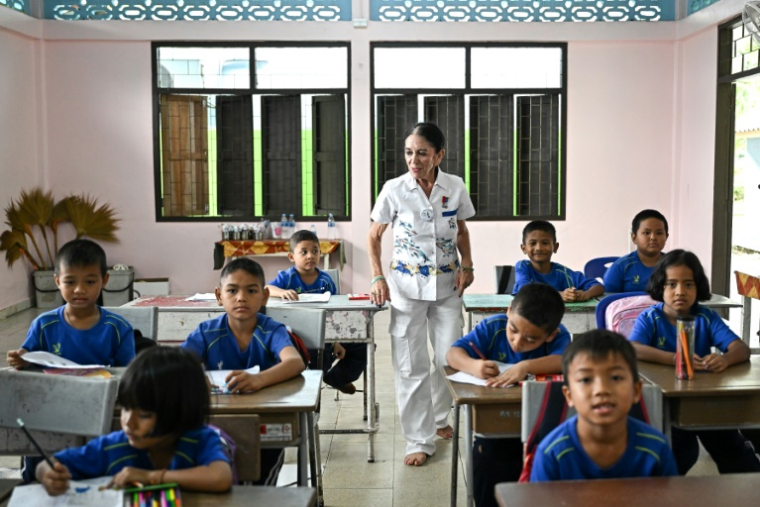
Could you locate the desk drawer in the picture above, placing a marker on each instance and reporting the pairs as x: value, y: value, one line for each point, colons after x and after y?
x: 712, y: 411
x: 503, y: 419
x: 346, y: 325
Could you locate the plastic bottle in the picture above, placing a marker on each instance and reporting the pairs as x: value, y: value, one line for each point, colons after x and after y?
x: 313, y: 229
x: 332, y: 232
x: 291, y: 225
x: 284, y: 226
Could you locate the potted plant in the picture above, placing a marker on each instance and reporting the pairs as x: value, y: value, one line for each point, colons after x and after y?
x: 35, y: 220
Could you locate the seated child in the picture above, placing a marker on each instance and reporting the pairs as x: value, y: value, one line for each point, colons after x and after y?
x: 679, y: 281
x: 163, y: 437
x: 631, y: 272
x: 80, y: 330
x: 242, y: 338
x: 601, y: 441
x: 531, y: 338
x: 304, y: 278
x: 539, y: 244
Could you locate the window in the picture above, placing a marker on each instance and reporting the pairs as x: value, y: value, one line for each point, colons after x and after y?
x: 245, y: 131
x: 502, y: 109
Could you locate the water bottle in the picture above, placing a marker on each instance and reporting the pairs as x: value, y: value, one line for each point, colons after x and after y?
x: 284, y: 226
x: 332, y: 233
x: 291, y: 225
x: 313, y: 229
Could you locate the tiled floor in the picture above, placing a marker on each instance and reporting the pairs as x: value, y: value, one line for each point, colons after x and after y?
x: 348, y: 479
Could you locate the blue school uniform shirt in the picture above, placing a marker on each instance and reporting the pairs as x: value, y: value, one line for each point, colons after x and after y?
x: 108, y: 454
x: 627, y: 274
x: 490, y: 337
x: 215, y: 343
x: 561, y: 457
x: 289, y: 279
x: 559, y: 277
x: 653, y: 328
x: 110, y: 342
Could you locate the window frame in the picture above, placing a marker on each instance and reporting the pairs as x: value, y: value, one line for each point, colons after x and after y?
x: 157, y: 91
x: 468, y: 90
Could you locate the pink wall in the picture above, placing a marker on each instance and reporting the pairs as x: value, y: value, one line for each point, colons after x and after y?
x: 19, y: 142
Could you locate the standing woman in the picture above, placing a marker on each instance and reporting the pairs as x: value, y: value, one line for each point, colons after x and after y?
x: 427, y: 209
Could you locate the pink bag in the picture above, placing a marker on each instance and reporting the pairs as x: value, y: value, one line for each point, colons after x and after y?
x: 621, y: 315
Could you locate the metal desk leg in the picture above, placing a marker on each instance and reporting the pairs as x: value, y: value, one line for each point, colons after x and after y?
x: 455, y: 457
x: 315, y: 458
x: 746, y: 318
x: 304, y: 421
x: 372, y: 420
x: 468, y: 461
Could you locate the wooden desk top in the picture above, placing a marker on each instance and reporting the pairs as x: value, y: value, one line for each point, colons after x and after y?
x: 729, y: 489
x: 177, y: 303
x: 738, y: 379
x: 300, y: 394
x: 253, y: 495
x: 470, y: 394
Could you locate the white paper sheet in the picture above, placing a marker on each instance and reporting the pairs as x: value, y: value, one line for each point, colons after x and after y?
x: 466, y: 378
x: 310, y: 298
x: 49, y: 360
x: 206, y: 296
x: 80, y: 494
x: 216, y: 377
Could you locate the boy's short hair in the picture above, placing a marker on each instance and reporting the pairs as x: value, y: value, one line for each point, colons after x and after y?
x: 645, y: 215
x: 245, y: 264
x: 678, y: 257
x: 302, y: 235
x: 540, y: 304
x: 599, y: 344
x: 168, y: 381
x: 539, y: 225
x: 81, y: 253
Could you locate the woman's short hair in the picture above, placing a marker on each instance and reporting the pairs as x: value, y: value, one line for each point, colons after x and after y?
x: 430, y: 132
x: 168, y: 381
x: 656, y: 285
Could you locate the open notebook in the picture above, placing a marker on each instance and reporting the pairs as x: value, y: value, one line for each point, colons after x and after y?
x: 310, y: 298
x: 86, y: 493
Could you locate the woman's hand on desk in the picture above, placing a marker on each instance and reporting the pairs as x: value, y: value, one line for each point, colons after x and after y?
x: 240, y: 382
x: 465, y: 277
x: 379, y: 292
x: 14, y: 358
x: 54, y: 480
x: 515, y: 374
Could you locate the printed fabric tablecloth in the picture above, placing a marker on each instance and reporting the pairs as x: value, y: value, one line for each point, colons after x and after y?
x: 226, y: 249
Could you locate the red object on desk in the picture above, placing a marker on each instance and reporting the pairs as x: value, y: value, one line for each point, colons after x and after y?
x: 355, y: 297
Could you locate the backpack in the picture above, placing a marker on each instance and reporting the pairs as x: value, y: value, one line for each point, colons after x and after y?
x: 230, y: 450
x: 621, y: 315
x: 300, y: 347
x: 552, y: 413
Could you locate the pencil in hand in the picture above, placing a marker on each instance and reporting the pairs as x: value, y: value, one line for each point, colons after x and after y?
x: 34, y: 442
x: 477, y: 351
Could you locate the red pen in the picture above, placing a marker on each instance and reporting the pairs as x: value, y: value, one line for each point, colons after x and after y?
x: 478, y: 352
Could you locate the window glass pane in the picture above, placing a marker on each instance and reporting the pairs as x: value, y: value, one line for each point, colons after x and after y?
x: 516, y: 68
x: 199, y: 67
x: 409, y: 68
x: 301, y: 68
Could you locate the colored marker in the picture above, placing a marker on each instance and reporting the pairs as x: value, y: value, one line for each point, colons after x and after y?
x: 477, y: 351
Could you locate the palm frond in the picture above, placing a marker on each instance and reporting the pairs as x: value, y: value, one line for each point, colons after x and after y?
x: 89, y: 219
x: 59, y: 215
x: 14, y: 244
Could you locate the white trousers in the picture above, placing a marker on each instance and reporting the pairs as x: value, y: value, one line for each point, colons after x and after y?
x: 423, y: 399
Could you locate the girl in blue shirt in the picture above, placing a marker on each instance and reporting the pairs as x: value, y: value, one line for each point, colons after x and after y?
x: 630, y: 273
x: 165, y: 405
x: 679, y: 281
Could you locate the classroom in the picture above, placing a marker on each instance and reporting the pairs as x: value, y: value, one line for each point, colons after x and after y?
x: 642, y: 99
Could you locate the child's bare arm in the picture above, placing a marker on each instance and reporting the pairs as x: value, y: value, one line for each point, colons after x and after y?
x: 592, y: 292
x: 653, y: 355
x: 215, y: 477
x: 14, y: 358
x: 458, y: 358
x: 291, y: 365
x: 286, y: 294
x: 736, y: 352
x: 54, y: 480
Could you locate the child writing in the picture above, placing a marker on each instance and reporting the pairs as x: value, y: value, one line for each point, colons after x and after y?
x: 601, y: 441
x: 163, y: 437
x: 304, y: 278
x: 679, y: 282
x: 80, y: 330
x: 531, y: 338
x: 630, y: 273
x: 539, y: 243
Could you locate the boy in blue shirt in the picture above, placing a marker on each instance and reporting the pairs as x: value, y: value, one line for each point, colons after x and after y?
x: 601, y: 441
x: 304, y: 278
x: 539, y: 243
x: 531, y: 338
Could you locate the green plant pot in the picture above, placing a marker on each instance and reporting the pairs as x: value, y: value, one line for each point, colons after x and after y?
x: 48, y: 295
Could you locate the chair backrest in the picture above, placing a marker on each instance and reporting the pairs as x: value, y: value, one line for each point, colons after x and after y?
x: 533, y: 397
x: 596, y: 268
x: 307, y: 323
x: 504, y: 279
x: 144, y: 318
x: 54, y: 404
x: 244, y: 430
x: 335, y: 275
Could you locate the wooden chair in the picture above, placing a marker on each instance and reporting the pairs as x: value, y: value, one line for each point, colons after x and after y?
x: 245, y: 430
x: 60, y: 410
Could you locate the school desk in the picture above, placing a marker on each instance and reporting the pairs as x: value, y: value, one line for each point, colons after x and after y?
x: 714, y: 490
x: 347, y: 321
x: 730, y: 399
x: 491, y: 411
x: 246, y: 496
x: 6, y: 488
x: 579, y: 317
x: 229, y: 249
